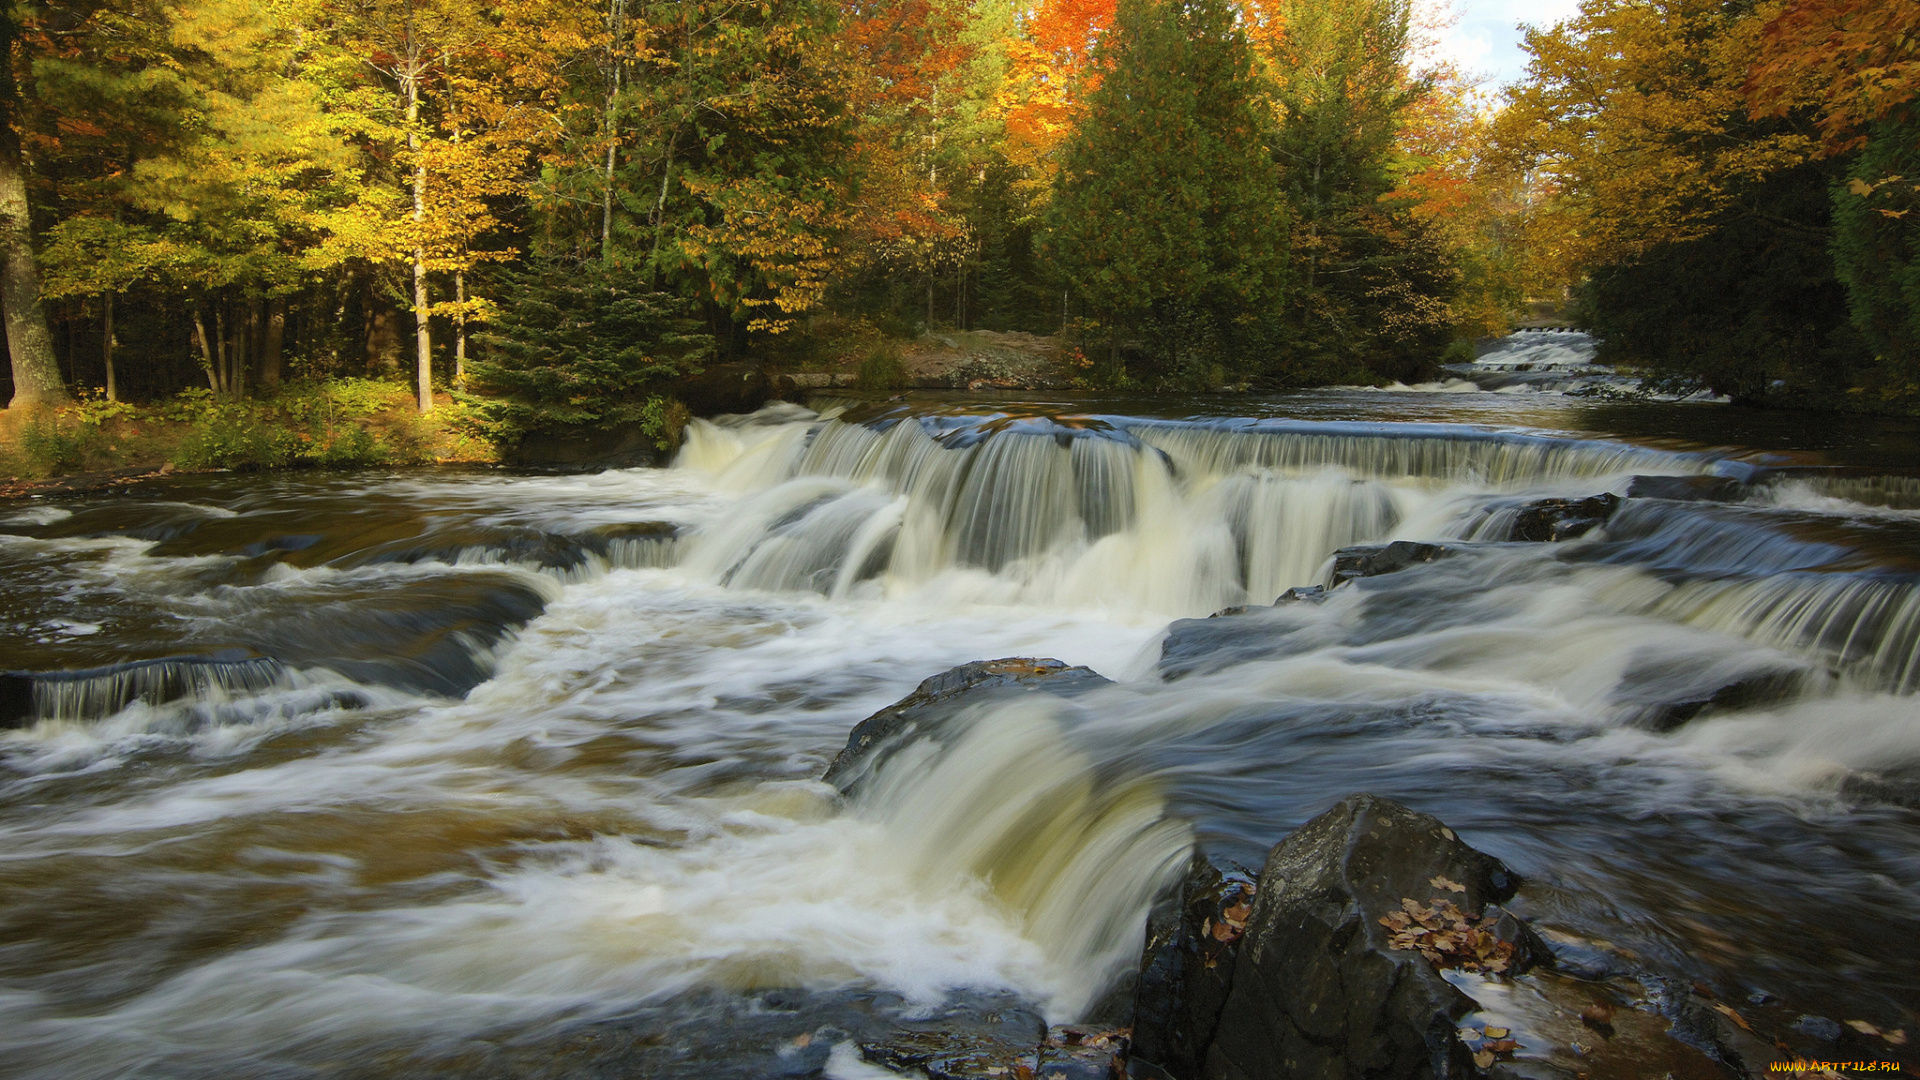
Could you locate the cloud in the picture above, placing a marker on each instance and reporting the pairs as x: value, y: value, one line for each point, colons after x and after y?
x: 1484, y: 38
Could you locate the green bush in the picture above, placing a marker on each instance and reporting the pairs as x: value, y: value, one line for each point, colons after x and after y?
x: 882, y: 369
x: 1460, y: 352
x: 53, y: 444
x: 236, y: 435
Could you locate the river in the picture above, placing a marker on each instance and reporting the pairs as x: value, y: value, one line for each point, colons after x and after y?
x: 399, y: 771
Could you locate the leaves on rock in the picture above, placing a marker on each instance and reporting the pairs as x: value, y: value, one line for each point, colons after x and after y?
x: 1728, y: 1012
x: 1448, y: 937
x: 1448, y: 884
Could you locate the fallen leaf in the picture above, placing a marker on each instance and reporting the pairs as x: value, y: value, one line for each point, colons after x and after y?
x: 1440, y: 882
x: 803, y: 1040
x: 1484, y: 1059
x: 1898, y: 1036
x: 1728, y: 1012
x: 1498, y: 1033
x: 1468, y: 1034
x: 1863, y: 1027
x: 1503, y: 1046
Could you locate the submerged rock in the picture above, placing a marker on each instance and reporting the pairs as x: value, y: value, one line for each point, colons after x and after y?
x: 978, y: 1052
x: 1553, y: 520
x: 939, y: 694
x: 1373, y: 560
x: 1686, y: 488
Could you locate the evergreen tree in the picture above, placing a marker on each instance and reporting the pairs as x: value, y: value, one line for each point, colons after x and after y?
x: 1166, y: 213
x: 1876, y: 246
x: 1370, y: 282
x: 581, y: 346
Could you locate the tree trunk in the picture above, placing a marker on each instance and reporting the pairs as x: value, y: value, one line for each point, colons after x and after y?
x: 459, y: 327
x: 36, y: 371
x: 106, y: 344
x: 615, y: 11
x: 275, y: 341
x: 222, y: 352
x: 206, y: 352
x: 422, y: 330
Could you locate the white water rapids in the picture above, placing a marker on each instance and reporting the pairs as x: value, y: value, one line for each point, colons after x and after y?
x: 471, y: 754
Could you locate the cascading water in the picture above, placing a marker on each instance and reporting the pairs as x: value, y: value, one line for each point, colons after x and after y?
x: 400, y: 773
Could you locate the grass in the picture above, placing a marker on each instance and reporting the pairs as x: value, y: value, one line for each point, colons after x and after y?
x: 330, y: 423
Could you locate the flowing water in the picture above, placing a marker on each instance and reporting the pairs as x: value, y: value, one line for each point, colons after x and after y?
x: 336, y: 775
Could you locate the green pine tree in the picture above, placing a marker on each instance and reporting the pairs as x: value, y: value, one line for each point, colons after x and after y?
x: 1166, y: 218
x: 1876, y: 248
x: 581, y: 347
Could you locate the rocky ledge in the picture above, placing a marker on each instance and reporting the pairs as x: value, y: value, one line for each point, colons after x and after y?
x: 1373, y: 944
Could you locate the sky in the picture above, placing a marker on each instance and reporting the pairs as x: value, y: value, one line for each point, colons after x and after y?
x: 1485, y: 40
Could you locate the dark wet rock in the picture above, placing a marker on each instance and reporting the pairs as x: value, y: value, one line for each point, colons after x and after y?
x: 1233, y: 636
x: 1317, y: 990
x: 947, y: 1055
x: 937, y: 696
x: 1686, y: 488
x: 16, y: 699
x: 1818, y: 1027
x: 1186, y: 969
x: 1552, y: 520
x: 1373, y: 560
x: 1895, y: 787
x: 1075, y: 1053
x: 1311, y: 594
x: 1663, y: 702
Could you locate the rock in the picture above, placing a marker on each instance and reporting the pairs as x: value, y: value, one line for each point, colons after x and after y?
x: 1072, y: 1053
x: 1553, y: 520
x: 1898, y: 786
x: 1301, y: 594
x: 937, y: 695
x: 1233, y: 636
x: 16, y: 699
x: 1375, y: 559
x: 1686, y: 488
x: 1662, y: 702
x: 946, y: 1055
x: 1317, y: 990
x: 1818, y: 1027
x: 1186, y: 970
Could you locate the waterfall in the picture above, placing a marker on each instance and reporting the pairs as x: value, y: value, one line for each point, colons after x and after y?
x: 1156, y: 517
x: 98, y: 692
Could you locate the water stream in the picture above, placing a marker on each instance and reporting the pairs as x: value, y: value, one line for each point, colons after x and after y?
x: 329, y: 775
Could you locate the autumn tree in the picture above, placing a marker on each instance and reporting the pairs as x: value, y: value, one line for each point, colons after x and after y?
x: 1703, y: 231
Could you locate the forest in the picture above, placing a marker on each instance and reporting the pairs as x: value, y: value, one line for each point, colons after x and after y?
x: 536, y: 214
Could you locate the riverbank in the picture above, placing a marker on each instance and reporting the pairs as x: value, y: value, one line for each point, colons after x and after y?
x: 338, y: 423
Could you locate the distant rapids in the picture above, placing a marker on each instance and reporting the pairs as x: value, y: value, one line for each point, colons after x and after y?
x: 398, y: 775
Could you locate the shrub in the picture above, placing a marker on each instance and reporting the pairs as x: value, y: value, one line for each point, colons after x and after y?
x: 236, y: 435
x: 882, y: 369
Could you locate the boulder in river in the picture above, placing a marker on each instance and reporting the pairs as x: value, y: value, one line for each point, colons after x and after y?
x: 938, y: 695
x: 1553, y: 520
x: 1373, y: 560
x: 1335, y: 971
x: 1686, y: 488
